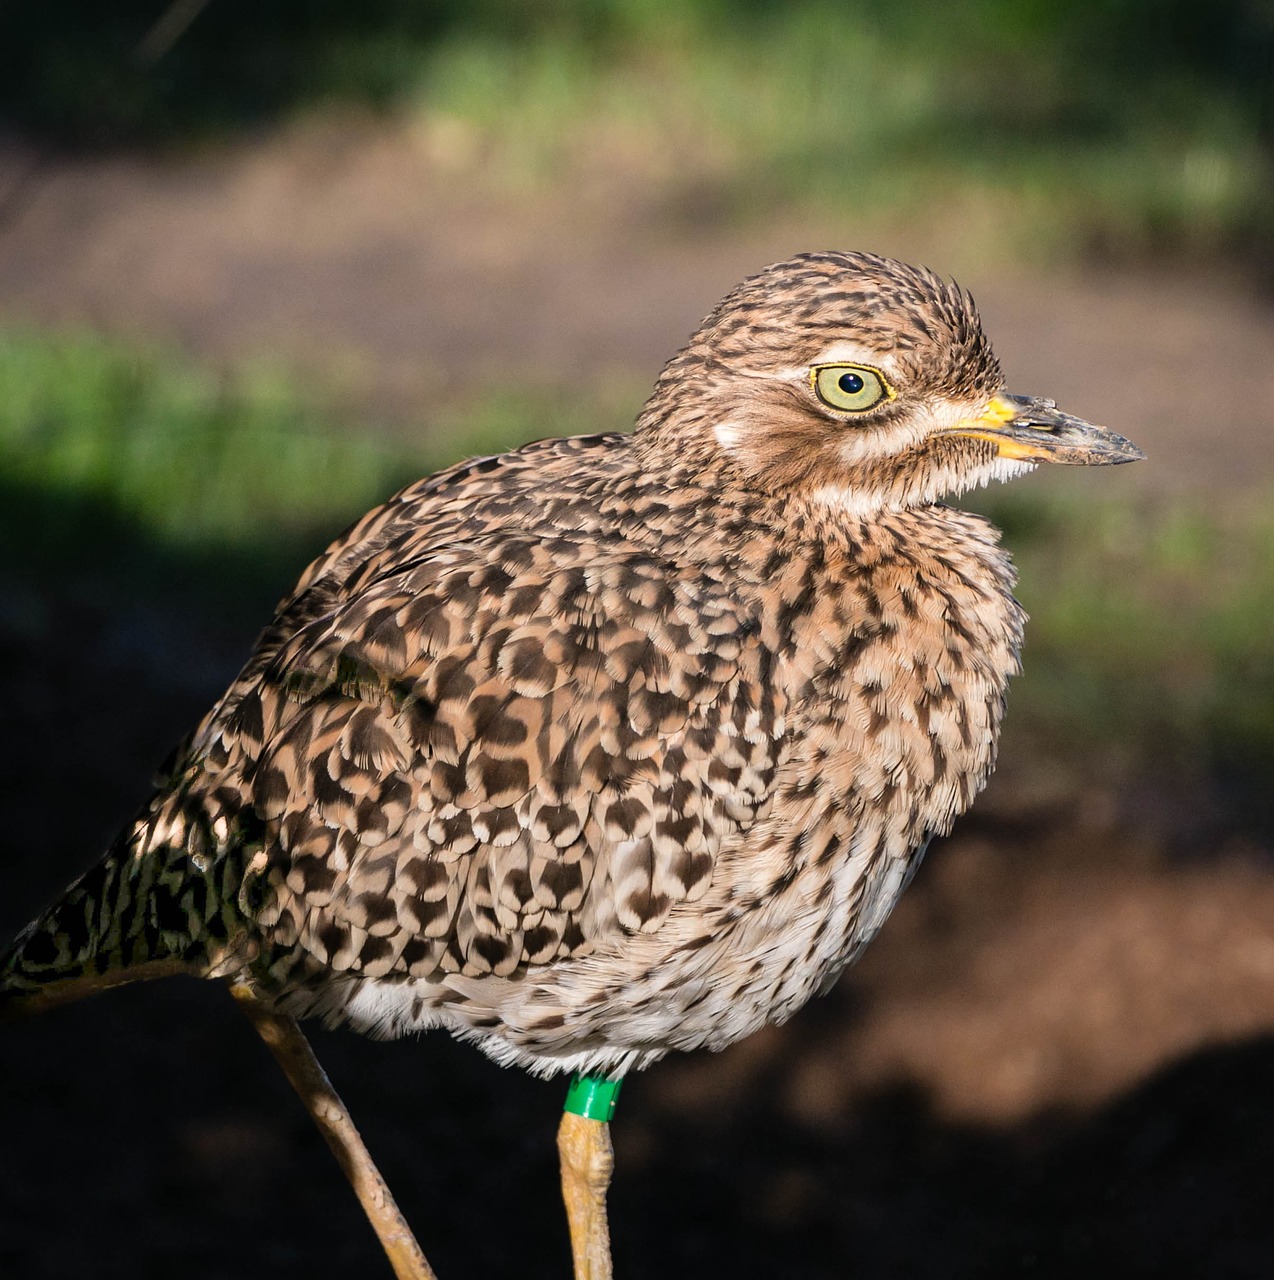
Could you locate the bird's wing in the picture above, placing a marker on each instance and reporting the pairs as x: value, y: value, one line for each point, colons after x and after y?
x: 502, y: 752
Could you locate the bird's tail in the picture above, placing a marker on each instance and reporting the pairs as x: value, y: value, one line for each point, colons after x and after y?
x: 160, y: 902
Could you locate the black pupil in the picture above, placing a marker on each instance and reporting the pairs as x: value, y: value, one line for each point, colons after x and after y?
x: 850, y: 383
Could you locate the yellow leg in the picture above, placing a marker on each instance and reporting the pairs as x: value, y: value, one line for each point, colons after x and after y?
x: 293, y: 1053
x: 587, y: 1163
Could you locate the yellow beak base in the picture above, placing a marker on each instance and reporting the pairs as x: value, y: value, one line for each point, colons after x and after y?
x: 1028, y: 429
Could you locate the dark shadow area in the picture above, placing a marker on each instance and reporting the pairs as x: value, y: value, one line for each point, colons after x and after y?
x: 147, y: 1135
x: 68, y: 546
x: 1171, y: 1179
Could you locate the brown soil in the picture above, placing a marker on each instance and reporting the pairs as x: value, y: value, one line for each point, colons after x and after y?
x: 383, y: 261
x: 1055, y: 1060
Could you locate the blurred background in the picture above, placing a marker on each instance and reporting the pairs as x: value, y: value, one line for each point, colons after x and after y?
x: 259, y: 265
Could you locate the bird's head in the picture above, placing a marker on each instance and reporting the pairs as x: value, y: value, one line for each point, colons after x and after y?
x: 861, y: 382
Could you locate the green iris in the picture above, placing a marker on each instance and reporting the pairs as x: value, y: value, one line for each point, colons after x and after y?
x: 851, y: 388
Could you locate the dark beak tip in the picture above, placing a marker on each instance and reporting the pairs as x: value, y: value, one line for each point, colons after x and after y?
x: 1097, y: 446
x: 1126, y: 451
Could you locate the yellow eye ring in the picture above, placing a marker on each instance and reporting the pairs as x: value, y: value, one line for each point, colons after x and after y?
x: 850, y: 388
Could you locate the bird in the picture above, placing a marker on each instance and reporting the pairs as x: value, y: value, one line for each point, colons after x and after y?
x: 612, y: 745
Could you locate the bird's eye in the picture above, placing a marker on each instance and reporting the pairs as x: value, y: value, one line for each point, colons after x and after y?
x: 851, y: 388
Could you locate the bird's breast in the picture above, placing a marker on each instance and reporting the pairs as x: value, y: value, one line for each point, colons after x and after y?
x: 893, y: 670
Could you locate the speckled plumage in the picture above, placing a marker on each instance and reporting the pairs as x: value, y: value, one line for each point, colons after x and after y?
x: 612, y: 745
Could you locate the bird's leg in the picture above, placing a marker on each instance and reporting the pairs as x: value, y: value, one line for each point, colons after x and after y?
x: 587, y: 1160
x: 292, y: 1051
x: 584, y: 1148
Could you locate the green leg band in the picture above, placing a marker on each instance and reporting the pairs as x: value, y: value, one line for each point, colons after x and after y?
x: 592, y: 1097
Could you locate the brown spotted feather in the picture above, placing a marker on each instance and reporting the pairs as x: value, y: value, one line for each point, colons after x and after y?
x: 609, y: 745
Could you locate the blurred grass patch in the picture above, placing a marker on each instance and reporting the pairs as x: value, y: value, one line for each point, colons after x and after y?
x: 128, y: 464
x: 1129, y: 125
x: 1150, y: 637
x: 136, y: 465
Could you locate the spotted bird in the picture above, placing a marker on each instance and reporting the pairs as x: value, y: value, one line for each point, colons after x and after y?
x: 607, y: 746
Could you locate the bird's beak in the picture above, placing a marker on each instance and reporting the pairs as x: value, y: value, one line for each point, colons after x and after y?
x: 1028, y: 429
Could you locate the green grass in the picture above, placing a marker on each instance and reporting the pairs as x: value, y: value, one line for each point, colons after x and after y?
x: 1133, y: 125
x: 193, y: 459
x: 132, y: 464
x: 187, y: 458
x: 1150, y: 637
x: 129, y: 471
x: 850, y: 109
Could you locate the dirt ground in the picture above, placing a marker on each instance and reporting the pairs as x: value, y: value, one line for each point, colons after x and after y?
x: 1055, y: 1060
x: 383, y: 261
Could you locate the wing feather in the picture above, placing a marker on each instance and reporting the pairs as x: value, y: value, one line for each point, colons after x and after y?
x: 503, y: 752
